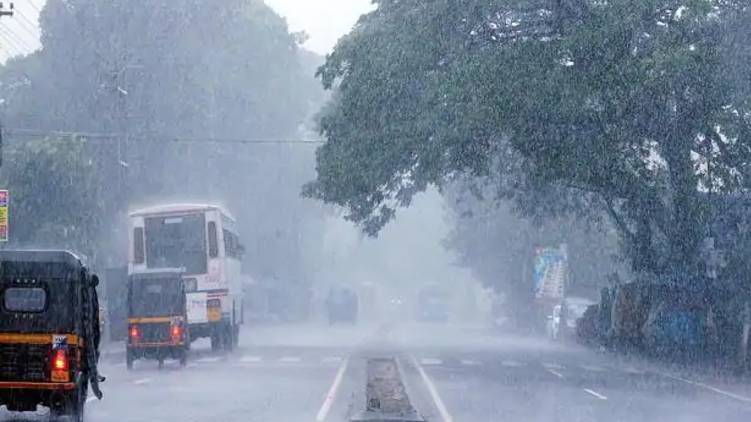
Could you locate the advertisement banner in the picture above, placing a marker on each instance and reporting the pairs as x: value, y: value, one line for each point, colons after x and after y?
x: 549, y: 276
x: 4, y: 218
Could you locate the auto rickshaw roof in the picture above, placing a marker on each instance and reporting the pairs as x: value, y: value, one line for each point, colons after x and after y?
x: 41, y: 257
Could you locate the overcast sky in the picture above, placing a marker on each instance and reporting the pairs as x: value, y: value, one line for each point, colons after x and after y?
x: 324, y: 20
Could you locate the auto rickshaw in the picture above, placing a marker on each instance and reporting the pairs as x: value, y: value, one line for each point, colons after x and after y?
x: 49, y: 332
x: 157, y: 318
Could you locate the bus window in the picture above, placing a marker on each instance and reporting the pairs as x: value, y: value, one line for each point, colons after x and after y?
x: 213, y: 242
x: 232, y: 245
x: 138, y: 255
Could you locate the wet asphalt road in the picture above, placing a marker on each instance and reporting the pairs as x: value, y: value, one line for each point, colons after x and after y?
x: 313, y: 372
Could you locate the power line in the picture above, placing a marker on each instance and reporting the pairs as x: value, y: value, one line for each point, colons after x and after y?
x: 11, y: 43
x: 28, y: 21
x: 20, y: 41
x: 32, y: 133
x: 34, y: 6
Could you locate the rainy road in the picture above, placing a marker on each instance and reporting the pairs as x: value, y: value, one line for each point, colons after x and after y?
x: 316, y: 373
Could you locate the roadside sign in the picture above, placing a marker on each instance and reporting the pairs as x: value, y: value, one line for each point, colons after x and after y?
x: 550, y: 273
x: 4, y: 222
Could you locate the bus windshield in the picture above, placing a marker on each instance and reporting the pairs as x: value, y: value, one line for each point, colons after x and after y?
x: 176, y: 242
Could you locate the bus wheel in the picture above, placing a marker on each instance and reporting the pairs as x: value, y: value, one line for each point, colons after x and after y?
x: 215, y: 341
x: 228, y: 338
x: 236, y: 335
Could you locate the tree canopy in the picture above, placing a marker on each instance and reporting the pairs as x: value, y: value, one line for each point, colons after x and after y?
x: 135, y: 77
x: 627, y: 106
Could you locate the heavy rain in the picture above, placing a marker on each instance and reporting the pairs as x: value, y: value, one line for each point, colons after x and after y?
x: 375, y: 210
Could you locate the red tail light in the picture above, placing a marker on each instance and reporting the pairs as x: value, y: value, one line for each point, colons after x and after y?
x: 134, y: 334
x: 60, y: 360
x: 176, y: 332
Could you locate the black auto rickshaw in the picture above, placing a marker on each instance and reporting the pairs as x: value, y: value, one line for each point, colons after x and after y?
x: 157, y: 318
x: 49, y: 332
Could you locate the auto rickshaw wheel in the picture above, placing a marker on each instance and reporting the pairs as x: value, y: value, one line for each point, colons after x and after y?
x: 129, y: 359
x: 72, y: 408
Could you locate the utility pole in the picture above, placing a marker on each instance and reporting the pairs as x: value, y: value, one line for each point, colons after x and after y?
x: 4, y: 12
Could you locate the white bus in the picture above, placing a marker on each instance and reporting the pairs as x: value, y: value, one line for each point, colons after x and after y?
x: 200, y: 240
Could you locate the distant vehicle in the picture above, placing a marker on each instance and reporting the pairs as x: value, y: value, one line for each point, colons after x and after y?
x: 553, y: 323
x: 572, y: 310
x: 432, y: 304
x: 202, y: 242
x: 157, y: 318
x: 49, y: 332
x: 342, y: 305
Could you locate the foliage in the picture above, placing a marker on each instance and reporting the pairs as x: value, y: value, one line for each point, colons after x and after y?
x: 146, y: 74
x: 629, y: 102
x: 55, y: 192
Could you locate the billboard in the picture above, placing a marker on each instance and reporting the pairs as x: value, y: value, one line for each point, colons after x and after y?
x: 4, y: 221
x: 549, y: 274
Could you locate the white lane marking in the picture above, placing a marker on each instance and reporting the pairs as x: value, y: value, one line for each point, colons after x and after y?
x: 470, y: 362
x: 634, y: 371
x: 556, y: 373
x: 290, y: 359
x: 251, y: 359
x: 209, y: 359
x: 708, y: 387
x: 551, y: 365
x: 90, y: 399
x: 430, y: 361
x: 512, y: 363
x: 592, y: 368
x: 331, y: 359
x: 142, y: 381
x: 331, y: 394
x: 445, y: 415
x: 596, y: 394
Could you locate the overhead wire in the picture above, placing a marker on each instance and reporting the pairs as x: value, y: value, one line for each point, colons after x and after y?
x: 19, y: 41
x: 23, y: 132
x: 10, y: 42
x: 33, y: 31
x: 34, y: 6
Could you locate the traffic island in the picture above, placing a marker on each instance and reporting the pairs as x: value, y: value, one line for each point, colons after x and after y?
x: 386, y: 396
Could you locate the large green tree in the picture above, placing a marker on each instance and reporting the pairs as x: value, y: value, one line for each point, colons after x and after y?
x: 56, y: 194
x: 627, y: 106
x: 146, y: 74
